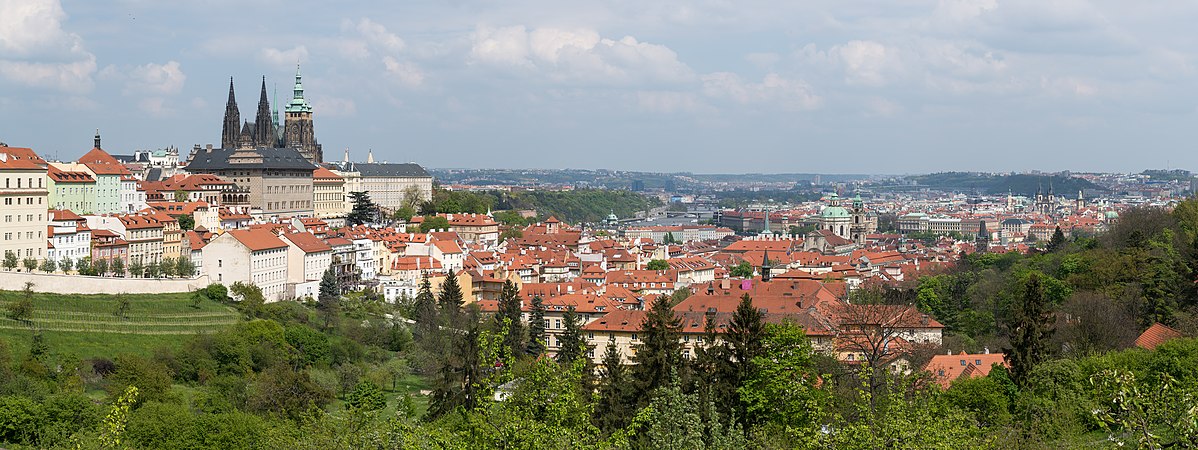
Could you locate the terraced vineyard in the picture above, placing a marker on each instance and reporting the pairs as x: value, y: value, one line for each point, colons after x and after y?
x: 91, y: 325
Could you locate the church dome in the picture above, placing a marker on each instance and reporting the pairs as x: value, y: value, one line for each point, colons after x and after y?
x: 833, y: 212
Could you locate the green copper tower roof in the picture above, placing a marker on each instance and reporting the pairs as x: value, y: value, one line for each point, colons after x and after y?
x: 298, y: 103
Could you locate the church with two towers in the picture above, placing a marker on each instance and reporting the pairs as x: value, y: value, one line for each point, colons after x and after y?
x: 265, y: 132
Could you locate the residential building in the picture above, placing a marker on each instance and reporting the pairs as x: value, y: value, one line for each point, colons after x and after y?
x: 253, y: 256
x: 25, y: 201
x: 69, y: 237
x: 73, y: 190
x: 308, y: 258
x: 328, y: 194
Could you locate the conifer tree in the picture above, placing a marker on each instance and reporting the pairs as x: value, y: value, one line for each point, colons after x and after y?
x: 1057, y: 242
x: 536, y: 328
x: 424, y: 313
x: 612, y: 408
x: 510, y: 309
x: 329, y: 298
x: 571, y: 345
x: 364, y: 210
x: 450, y: 299
x: 1031, y: 328
x: 659, y: 355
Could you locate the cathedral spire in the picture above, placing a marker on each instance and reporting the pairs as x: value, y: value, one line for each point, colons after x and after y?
x: 264, y: 135
x: 230, y: 131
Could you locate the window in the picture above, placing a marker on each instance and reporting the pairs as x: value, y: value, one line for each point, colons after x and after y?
x: 962, y: 362
x: 634, y: 336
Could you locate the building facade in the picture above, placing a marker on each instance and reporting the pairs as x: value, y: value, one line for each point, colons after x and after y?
x: 278, y: 181
x: 25, y: 202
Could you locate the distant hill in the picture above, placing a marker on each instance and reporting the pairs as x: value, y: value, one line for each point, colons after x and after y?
x: 1019, y: 184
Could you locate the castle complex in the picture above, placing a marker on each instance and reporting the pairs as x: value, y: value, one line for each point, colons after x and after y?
x: 264, y: 132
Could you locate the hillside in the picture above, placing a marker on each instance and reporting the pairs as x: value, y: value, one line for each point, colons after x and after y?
x: 1018, y: 184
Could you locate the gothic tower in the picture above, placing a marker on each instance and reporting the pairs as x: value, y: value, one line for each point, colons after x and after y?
x: 230, y: 132
x: 982, y: 243
x: 298, y: 133
x: 264, y: 133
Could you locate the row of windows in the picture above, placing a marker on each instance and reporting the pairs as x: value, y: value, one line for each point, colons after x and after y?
x: 8, y: 182
x: 28, y: 200
x: 28, y: 252
x: 288, y: 189
x: 296, y: 204
x: 28, y: 217
x: 28, y: 235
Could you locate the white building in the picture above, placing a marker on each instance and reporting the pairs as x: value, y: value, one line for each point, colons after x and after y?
x: 307, y: 259
x: 24, y: 203
x: 249, y: 256
x: 69, y: 236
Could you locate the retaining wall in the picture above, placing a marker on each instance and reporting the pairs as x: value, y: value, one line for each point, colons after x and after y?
x: 79, y: 284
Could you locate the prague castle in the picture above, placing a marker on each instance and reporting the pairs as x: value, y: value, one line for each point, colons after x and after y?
x: 264, y: 132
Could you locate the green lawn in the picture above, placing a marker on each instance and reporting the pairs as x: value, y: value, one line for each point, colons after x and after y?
x: 86, y: 325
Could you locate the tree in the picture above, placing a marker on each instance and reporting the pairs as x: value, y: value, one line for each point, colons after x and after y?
x: 180, y: 195
x: 657, y: 264
x: 742, y: 270
x: 29, y: 264
x: 84, y: 266
x: 251, y: 298
x: 780, y: 386
x: 424, y: 313
x: 743, y: 340
x: 659, y: 353
x: 66, y: 264
x: 536, y: 328
x: 1057, y: 242
x: 1031, y: 327
x: 186, y: 222
x: 122, y: 307
x: 329, y: 299
x: 572, y: 345
x: 167, y: 266
x: 153, y: 269
x: 510, y: 315
x: 403, y: 214
x: 669, y: 239
x: 366, y: 397
x: 137, y: 269
x: 22, y: 309
x: 48, y: 265
x: 118, y: 266
x: 363, y: 211
x: 411, y: 198
x: 184, y: 267
x: 433, y: 223
x: 450, y: 298
x: 10, y: 260
x: 459, y: 372
x: 100, y: 267
x: 612, y: 409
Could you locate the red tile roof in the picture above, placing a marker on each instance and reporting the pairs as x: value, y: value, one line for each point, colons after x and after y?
x: 1156, y: 335
x: 308, y: 243
x: 257, y: 239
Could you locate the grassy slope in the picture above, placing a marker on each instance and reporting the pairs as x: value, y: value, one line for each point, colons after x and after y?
x: 85, y: 325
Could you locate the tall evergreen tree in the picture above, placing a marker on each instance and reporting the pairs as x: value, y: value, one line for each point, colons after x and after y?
x: 743, y: 340
x: 425, y: 310
x: 364, y: 210
x: 329, y: 298
x: 510, y: 309
x: 659, y: 355
x: 612, y: 408
x: 459, y: 372
x: 450, y: 298
x: 536, y: 328
x: 1031, y: 327
x: 1057, y: 242
x: 572, y: 345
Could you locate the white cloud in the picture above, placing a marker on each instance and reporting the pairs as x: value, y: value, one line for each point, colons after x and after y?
x: 578, y: 55
x: 669, y: 102
x: 405, y: 72
x: 155, y: 106
x: 290, y: 57
x: 866, y: 62
x: 376, y: 34
x: 36, y: 51
x: 156, y: 79
x: 334, y: 106
x: 789, y: 94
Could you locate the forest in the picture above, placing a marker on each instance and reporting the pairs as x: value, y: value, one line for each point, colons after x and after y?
x: 352, y: 371
x: 573, y: 206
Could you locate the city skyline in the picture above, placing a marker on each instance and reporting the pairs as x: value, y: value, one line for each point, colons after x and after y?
x: 816, y: 88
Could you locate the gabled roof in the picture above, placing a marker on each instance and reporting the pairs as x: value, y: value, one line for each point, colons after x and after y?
x: 308, y: 243
x: 257, y: 239
x: 1156, y: 335
x: 19, y: 158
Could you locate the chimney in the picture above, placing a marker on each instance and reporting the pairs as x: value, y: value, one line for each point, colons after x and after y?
x: 923, y: 320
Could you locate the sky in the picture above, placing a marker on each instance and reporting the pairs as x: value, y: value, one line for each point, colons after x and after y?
x: 706, y: 86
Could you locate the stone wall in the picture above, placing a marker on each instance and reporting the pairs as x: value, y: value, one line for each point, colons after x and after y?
x: 78, y: 284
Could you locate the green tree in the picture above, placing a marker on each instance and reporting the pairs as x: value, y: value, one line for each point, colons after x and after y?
x: 1031, y: 327
x: 458, y: 377
x: 251, y: 298
x: 167, y: 266
x: 450, y: 299
x: 153, y: 269
x: 536, y: 328
x: 329, y: 298
x: 433, y: 223
x: 137, y: 269
x: 510, y: 315
x: 780, y: 387
x: 657, y: 264
x: 186, y: 222
x: 22, y: 309
x: 572, y: 345
x: 743, y: 340
x: 180, y: 195
x: 366, y: 397
x: 29, y: 264
x: 10, y: 260
x: 66, y: 265
x: 612, y: 407
x: 363, y: 210
x: 48, y: 265
x: 100, y: 267
x: 184, y: 267
x: 659, y: 352
x: 424, y: 313
x: 674, y: 419
x: 1057, y: 242
x: 742, y: 270
x: 122, y: 307
x: 118, y: 267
